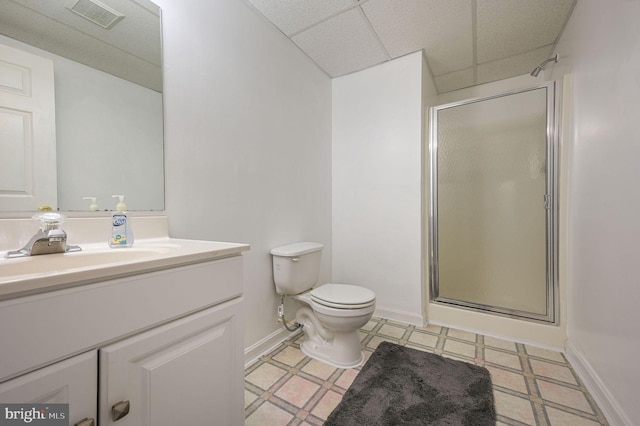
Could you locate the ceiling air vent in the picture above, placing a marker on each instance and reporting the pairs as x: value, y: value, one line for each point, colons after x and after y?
x: 96, y: 12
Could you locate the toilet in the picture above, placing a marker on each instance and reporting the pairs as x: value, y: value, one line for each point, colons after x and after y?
x: 331, y: 314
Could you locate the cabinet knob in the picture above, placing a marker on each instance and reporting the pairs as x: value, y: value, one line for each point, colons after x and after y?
x: 85, y: 422
x: 119, y: 410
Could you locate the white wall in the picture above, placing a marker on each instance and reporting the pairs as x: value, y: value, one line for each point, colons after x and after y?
x: 377, y: 193
x: 601, y: 49
x: 248, y: 141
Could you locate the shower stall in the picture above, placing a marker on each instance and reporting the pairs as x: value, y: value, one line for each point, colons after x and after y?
x: 493, y: 203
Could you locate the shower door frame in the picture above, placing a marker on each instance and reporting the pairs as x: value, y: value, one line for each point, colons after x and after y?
x: 550, y: 202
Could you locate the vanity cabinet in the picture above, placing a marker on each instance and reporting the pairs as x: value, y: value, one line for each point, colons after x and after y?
x: 166, y: 346
x: 177, y: 374
x: 73, y: 381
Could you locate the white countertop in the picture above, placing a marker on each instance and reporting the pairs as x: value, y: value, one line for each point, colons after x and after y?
x: 97, y: 262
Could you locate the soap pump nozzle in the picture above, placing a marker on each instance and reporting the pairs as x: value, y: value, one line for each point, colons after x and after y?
x: 121, y: 206
x: 93, y: 206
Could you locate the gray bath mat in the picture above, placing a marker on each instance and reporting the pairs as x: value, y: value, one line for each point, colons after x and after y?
x: 405, y: 386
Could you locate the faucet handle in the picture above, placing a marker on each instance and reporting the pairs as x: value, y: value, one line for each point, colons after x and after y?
x: 49, y: 220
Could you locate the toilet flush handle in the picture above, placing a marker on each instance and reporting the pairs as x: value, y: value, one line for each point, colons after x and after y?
x: 295, y: 259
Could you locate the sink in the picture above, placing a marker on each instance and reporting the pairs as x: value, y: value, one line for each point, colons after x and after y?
x: 97, y: 262
x: 88, y: 258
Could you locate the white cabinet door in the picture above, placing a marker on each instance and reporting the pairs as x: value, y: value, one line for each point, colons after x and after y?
x: 187, y: 372
x: 73, y: 381
x: 27, y: 131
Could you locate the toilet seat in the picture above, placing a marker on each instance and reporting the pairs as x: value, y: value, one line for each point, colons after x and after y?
x: 343, y: 296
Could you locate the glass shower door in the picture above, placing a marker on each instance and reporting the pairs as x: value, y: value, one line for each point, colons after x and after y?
x: 493, y: 203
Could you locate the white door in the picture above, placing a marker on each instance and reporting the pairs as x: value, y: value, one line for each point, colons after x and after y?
x: 187, y: 372
x: 27, y: 131
x: 73, y: 381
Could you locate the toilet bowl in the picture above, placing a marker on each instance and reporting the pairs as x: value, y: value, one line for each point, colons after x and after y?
x: 331, y: 328
x: 331, y: 314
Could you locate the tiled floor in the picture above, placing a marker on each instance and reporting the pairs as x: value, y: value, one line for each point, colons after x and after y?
x: 531, y: 386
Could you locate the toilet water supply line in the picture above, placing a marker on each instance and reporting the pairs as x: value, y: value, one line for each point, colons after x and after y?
x: 314, y: 330
x: 305, y: 318
x: 291, y: 326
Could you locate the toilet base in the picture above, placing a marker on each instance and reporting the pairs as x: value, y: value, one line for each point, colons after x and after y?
x: 342, y: 352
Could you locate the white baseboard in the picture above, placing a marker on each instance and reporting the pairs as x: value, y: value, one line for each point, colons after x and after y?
x: 263, y: 346
x: 400, y: 316
x: 610, y: 408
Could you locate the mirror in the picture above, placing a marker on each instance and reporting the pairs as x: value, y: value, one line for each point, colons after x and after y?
x: 108, y: 96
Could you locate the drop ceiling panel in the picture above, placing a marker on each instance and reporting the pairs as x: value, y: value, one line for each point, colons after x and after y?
x: 443, y: 28
x: 130, y: 50
x: 454, y: 80
x: 506, y: 28
x: 512, y: 65
x: 291, y: 16
x: 466, y: 42
x: 342, y: 44
x: 137, y: 34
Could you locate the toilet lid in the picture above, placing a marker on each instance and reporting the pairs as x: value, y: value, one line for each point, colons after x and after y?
x: 346, y: 295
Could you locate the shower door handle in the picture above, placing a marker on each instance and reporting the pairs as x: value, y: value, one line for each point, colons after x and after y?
x: 547, y: 201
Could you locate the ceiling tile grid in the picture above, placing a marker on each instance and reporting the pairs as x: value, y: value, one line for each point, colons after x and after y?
x: 292, y: 16
x: 466, y: 42
x: 342, y: 44
x: 130, y: 50
x: 441, y: 27
x: 454, y: 80
x: 510, y: 27
x: 512, y: 65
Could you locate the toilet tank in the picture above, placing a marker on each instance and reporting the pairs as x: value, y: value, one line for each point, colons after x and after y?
x: 296, y: 267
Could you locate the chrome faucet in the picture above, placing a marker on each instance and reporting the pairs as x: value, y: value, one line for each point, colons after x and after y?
x: 49, y: 239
